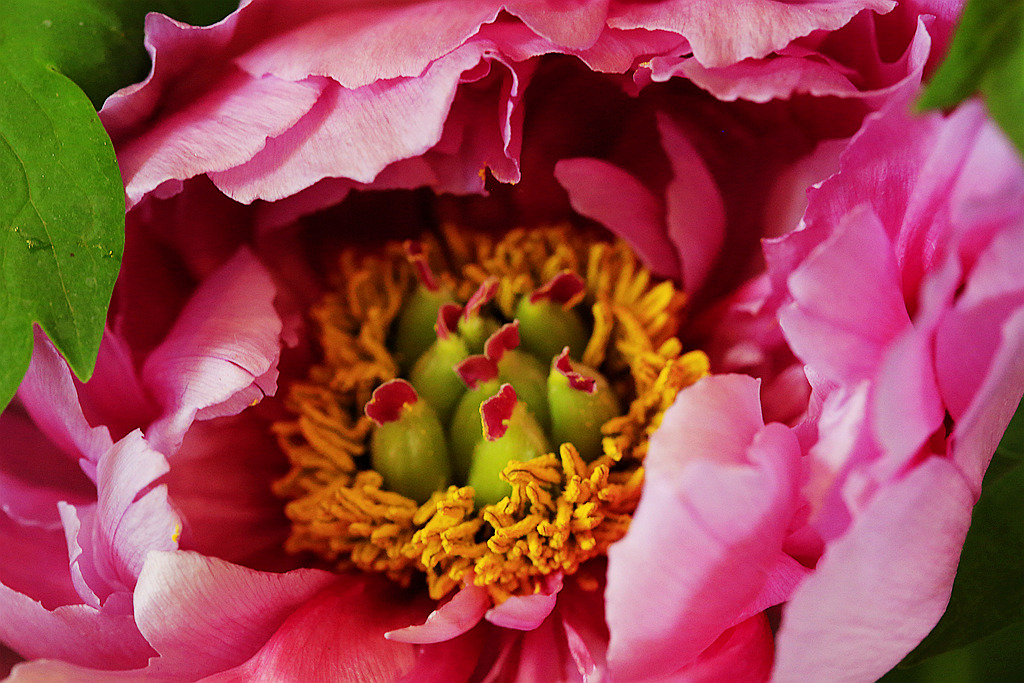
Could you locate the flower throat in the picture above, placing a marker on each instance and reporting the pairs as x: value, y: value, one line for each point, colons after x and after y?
x: 482, y: 411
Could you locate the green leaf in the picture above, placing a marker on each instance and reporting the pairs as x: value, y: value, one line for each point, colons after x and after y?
x: 988, y: 593
x: 62, y: 201
x: 987, y: 57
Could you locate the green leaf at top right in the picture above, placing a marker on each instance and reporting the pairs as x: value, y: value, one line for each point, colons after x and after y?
x: 986, y: 57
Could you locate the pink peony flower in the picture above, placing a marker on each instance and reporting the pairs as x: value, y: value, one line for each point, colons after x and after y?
x: 802, y: 508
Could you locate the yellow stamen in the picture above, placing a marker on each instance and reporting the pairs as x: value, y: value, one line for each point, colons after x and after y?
x: 562, y: 512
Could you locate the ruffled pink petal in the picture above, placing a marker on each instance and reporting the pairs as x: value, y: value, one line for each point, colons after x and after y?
x: 452, y: 661
x: 201, y: 133
x: 204, y: 615
x: 574, y: 25
x: 453, y: 618
x: 695, y: 214
x: 881, y: 587
x: 760, y: 80
x: 620, y: 202
x: 133, y: 517
x: 337, y: 636
x: 221, y: 355
x: 847, y: 300
x: 79, y: 634
x: 359, y: 45
x: 354, y: 134
x: 220, y: 485
x: 718, y: 498
x: 723, y: 34
x: 49, y: 395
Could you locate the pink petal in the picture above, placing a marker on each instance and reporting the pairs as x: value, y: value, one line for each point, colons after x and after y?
x: 48, y: 394
x: 76, y: 633
x: 620, y: 202
x: 114, y: 396
x: 202, y: 135
x: 743, y: 653
x: 41, y: 572
x: 220, y: 485
x: 453, y: 618
x: 525, y: 613
x: 575, y: 25
x: 847, y: 300
x: 879, y: 589
x: 337, y: 636
x: 35, y: 474
x: 354, y: 133
x: 718, y: 499
x: 359, y: 45
x: 979, y: 429
x: 723, y: 34
x: 221, y: 356
x: 695, y: 213
x: 204, y: 615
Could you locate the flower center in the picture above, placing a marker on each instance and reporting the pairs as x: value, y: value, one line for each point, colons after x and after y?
x: 482, y: 411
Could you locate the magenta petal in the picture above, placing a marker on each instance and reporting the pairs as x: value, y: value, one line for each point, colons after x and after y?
x: 718, y: 499
x: 49, y: 395
x: 338, y: 636
x: 624, y: 205
x: 220, y: 356
x: 453, y: 618
x: 882, y: 587
x: 204, y: 615
x: 575, y: 25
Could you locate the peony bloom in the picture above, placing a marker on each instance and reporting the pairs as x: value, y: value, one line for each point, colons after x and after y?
x: 801, y: 428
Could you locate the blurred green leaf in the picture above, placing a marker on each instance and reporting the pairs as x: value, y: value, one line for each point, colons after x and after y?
x: 62, y: 201
x: 986, y: 57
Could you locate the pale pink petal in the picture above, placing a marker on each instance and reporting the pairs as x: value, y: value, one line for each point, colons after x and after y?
x: 453, y: 618
x: 620, y: 202
x: 726, y: 33
x: 132, y: 515
x: 526, y: 612
x: 204, y: 615
x: 338, y: 636
x: 53, y: 671
x: 221, y: 356
x: 48, y: 394
x: 881, y: 587
x: 695, y: 214
x: 847, y: 300
x: 718, y: 499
